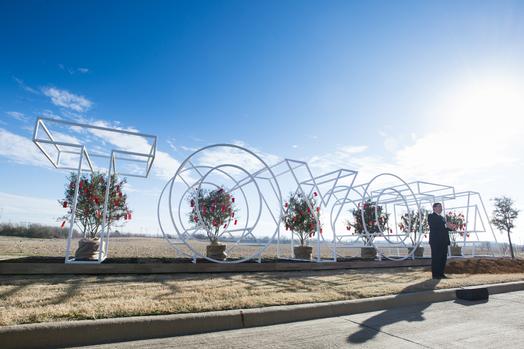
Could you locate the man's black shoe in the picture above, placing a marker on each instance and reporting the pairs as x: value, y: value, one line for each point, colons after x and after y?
x: 443, y: 276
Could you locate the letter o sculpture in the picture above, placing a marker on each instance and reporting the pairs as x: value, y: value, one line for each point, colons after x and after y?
x: 248, y: 182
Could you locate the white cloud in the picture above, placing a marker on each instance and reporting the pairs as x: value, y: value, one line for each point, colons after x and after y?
x: 62, y: 137
x: 232, y: 155
x: 23, y: 151
x: 294, y: 146
x: 344, y: 157
x: 73, y: 116
x: 444, y: 156
x: 165, y: 165
x: 171, y: 143
x: 22, y: 85
x: 190, y: 149
x: 269, y: 159
x: 49, y: 114
x: 354, y: 149
x: 126, y: 142
x: 17, y: 115
x: 16, y: 207
x: 366, y: 165
x: 63, y: 98
x: 391, y: 144
x: 73, y: 71
x: 20, y: 149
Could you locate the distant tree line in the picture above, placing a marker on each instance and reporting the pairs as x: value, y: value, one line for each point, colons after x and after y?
x: 120, y: 234
x: 39, y: 231
x: 35, y: 231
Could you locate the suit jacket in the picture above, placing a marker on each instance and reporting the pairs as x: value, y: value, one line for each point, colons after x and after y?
x: 438, y: 232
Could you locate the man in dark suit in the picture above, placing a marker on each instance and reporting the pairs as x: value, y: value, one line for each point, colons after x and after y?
x: 439, y: 241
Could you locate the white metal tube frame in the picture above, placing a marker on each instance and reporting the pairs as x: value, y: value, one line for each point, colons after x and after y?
x: 84, y: 154
x: 251, y: 178
x: 398, y: 195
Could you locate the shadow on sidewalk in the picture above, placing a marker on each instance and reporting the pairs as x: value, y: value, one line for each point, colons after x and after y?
x: 372, y: 326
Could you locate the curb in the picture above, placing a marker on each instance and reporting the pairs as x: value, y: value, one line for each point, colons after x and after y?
x: 91, y: 332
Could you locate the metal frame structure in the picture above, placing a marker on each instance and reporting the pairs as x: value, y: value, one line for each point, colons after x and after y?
x: 323, y: 185
x: 477, y: 223
x: 406, y: 197
x: 381, y: 196
x: 43, y: 138
x: 193, y: 174
x: 335, y: 190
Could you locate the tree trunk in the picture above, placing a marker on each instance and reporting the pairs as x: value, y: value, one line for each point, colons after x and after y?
x: 511, y: 246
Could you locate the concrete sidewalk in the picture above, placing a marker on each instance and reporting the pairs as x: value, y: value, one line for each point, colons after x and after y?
x: 452, y: 324
x: 88, y: 332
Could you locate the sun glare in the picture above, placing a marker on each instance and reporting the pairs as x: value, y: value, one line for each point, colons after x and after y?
x: 487, y: 105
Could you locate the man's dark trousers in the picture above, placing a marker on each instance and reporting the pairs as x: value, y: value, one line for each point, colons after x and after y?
x: 439, y: 242
x: 439, y: 256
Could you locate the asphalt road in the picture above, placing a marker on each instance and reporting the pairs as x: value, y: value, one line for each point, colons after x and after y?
x: 498, y: 323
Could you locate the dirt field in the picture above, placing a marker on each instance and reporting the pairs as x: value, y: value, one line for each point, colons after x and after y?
x: 136, y: 248
x: 156, y: 247
x: 118, y: 247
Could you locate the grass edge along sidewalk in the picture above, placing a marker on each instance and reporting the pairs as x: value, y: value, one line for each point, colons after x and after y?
x: 90, y: 332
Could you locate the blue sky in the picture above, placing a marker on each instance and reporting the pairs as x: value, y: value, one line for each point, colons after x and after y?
x: 371, y: 85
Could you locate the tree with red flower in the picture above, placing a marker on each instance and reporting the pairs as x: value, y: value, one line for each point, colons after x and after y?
x: 214, y: 210
x: 90, y: 202
x: 458, y: 220
x: 375, y: 221
x: 302, y: 216
x: 411, y: 223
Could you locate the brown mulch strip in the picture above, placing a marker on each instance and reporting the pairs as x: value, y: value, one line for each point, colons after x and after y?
x: 485, y: 266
